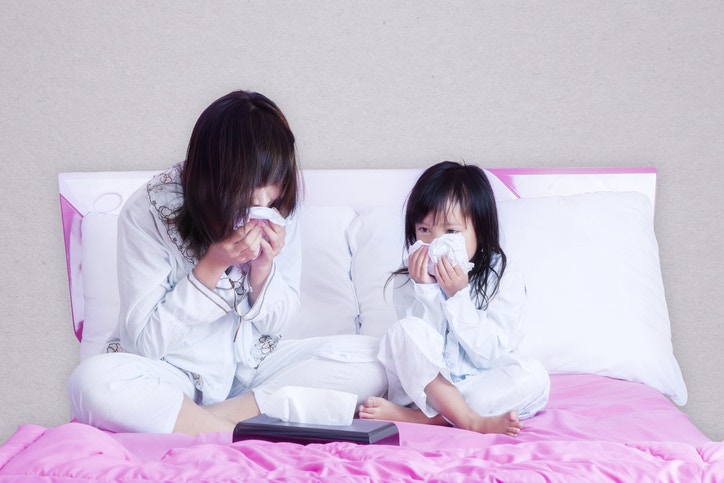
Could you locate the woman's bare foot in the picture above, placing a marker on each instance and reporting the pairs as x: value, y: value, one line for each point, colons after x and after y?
x: 381, y: 408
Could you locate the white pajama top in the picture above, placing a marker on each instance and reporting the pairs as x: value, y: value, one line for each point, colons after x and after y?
x: 474, y: 339
x: 168, y: 314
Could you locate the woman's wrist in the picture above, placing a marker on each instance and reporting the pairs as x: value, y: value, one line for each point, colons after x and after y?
x: 207, y: 274
x: 258, y: 277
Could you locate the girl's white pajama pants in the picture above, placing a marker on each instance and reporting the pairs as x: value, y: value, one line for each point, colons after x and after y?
x: 412, y: 353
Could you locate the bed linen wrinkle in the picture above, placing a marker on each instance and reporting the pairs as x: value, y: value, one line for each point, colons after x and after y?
x: 595, y: 429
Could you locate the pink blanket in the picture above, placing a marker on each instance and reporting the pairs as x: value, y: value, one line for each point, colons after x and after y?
x: 594, y: 429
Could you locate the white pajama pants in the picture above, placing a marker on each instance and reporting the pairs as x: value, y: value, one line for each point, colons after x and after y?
x: 124, y: 392
x: 411, y: 352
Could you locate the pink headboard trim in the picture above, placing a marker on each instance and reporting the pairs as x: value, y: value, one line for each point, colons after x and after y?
x: 507, y: 176
x: 71, y: 218
x: 596, y: 170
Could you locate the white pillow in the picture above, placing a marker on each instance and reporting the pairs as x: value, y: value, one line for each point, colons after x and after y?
x: 328, y: 303
x: 376, y: 240
x: 100, y: 281
x: 596, y: 300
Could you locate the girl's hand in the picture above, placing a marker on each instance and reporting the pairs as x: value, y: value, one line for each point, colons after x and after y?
x: 242, y: 246
x: 417, y: 266
x: 451, y: 279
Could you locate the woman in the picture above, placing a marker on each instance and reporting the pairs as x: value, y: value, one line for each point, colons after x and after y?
x: 207, y: 286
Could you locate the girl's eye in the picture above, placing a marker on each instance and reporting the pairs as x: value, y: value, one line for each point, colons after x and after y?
x: 451, y: 230
x: 422, y: 229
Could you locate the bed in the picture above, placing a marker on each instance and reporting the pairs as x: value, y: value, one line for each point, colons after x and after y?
x: 596, y: 318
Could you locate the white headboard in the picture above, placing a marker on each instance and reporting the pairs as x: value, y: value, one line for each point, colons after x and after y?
x: 106, y: 191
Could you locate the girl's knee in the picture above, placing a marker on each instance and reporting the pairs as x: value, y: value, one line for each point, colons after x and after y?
x: 540, y: 381
x: 537, y: 385
x: 408, y: 324
x: 523, y: 386
x: 409, y: 328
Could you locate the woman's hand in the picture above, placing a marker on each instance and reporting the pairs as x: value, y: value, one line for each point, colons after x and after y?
x: 417, y: 266
x: 271, y: 244
x: 451, y: 279
x: 243, y: 245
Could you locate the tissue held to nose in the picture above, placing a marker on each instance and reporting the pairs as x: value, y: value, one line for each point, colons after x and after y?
x: 314, y: 406
x: 451, y: 245
x: 263, y: 213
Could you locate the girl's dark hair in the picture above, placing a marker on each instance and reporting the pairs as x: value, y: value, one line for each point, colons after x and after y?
x: 241, y: 142
x: 448, y: 184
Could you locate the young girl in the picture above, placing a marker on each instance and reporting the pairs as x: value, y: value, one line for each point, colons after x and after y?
x: 207, y: 286
x: 451, y: 358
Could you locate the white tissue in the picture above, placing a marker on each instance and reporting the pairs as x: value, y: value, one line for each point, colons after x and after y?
x: 451, y: 245
x: 264, y: 213
x: 309, y: 405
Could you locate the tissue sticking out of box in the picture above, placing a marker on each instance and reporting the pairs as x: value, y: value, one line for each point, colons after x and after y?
x: 313, y: 406
x: 451, y: 245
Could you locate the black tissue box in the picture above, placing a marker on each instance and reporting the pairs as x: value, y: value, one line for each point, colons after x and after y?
x: 361, y: 431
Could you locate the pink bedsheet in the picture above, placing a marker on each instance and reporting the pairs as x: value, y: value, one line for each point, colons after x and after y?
x: 594, y: 429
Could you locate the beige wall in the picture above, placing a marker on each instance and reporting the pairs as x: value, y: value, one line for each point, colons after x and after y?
x: 89, y: 86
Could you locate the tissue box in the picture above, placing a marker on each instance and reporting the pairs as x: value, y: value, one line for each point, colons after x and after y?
x: 361, y: 431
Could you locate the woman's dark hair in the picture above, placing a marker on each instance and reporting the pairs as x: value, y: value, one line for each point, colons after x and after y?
x: 448, y: 184
x: 241, y: 142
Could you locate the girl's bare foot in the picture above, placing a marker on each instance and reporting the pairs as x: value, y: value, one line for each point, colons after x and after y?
x: 506, y: 423
x: 380, y: 408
